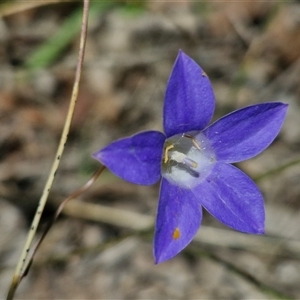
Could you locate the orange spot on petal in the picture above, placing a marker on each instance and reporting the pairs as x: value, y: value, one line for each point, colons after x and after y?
x: 176, y: 233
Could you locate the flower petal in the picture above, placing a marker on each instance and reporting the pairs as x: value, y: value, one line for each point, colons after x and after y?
x: 178, y: 219
x: 233, y: 198
x: 189, y: 100
x: 246, y: 132
x: 136, y: 159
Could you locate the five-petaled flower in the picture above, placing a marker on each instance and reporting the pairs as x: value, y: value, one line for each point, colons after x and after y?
x: 194, y: 160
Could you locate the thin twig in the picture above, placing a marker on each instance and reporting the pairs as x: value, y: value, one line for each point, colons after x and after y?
x: 23, y: 258
x: 277, y: 169
x: 57, y: 213
x: 109, y: 215
x: 8, y: 9
x: 266, y: 289
x: 218, y: 237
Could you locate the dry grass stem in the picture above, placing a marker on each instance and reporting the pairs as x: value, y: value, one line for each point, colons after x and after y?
x: 23, y: 260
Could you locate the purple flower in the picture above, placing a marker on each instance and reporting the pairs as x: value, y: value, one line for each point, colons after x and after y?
x: 194, y: 160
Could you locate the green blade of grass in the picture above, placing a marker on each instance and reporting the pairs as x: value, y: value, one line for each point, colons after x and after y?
x: 48, y: 52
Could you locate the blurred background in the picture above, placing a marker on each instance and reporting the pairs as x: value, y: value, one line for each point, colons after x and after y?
x: 250, y: 51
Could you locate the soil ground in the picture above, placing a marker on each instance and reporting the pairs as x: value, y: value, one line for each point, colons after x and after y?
x: 250, y: 51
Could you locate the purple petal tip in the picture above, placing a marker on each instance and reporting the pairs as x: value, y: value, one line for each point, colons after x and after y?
x: 189, y: 99
x: 178, y: 219
x: 136, y: 159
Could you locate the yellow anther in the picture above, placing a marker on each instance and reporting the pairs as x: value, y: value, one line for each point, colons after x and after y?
x: 166, y: 157
x: 193, y: 164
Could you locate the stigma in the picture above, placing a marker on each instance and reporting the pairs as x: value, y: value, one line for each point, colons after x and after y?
x: 188, y: 159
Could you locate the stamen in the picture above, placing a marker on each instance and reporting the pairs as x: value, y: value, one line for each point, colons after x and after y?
x: 166, y: 158
x: 190, y: 163
x: 183, y: 159
x: 187, y: 160
x: 193, y: 141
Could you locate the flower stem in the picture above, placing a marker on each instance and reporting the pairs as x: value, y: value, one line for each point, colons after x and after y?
x: 23, y: 260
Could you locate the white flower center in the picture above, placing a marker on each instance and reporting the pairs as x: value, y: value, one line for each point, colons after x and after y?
x: 188, y: 159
